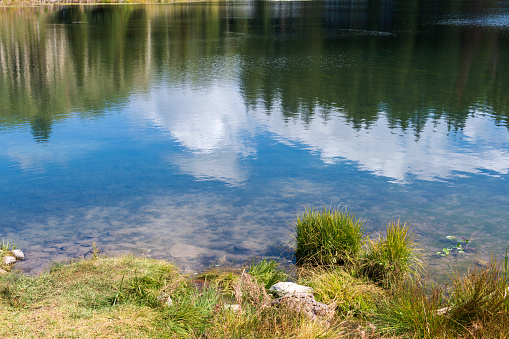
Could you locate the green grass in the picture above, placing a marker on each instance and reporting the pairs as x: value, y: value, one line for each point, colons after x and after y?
x: 479, y: 295
x: 267, y: 273
x: 352, y: 296
x: 328, y: 237
x: 391, y: 257
x: 410, y: 309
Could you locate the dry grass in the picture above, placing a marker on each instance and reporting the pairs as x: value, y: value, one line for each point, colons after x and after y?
x: 117, y: 297
x: 353, y: 296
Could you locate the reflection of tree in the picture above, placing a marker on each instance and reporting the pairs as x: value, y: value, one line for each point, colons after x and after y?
x: 363, y: 73
x: 305, y: 58
x: 40, y: 128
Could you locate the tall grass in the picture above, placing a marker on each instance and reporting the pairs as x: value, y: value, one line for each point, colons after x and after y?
x: 391, y: 257
x: 476, y: 306
x: 478, y: 296
x: 411, y: 310
x: 328, y: 237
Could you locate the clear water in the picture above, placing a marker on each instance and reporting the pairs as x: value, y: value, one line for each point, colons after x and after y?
x: 196, y: 132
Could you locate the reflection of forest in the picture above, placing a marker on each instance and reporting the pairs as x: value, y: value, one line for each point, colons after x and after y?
x: 308, y: 58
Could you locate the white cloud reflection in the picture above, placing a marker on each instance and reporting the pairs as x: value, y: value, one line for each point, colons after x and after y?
x: 437, y: 154
x: 213, y: 129
x: 217, y: 132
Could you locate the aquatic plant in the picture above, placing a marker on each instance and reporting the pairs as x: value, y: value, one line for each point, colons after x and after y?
x: 456, y: 246
x: 328, y: 237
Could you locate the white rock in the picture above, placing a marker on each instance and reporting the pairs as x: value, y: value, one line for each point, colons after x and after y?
x: 9, y: 260
x: 234, y: 307
x: 285, y: 288
x: 165, y: 299
x: 18, y: 254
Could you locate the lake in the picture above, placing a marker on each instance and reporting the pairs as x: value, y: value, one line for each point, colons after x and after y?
x: 197, y: 132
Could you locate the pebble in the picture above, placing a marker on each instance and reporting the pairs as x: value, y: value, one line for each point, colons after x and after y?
x: 9, y: 260
x: 18, y: 254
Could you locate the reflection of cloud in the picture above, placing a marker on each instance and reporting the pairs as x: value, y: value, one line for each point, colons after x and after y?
x: 396, y: 154
x: 33, y: 157
x: 220, y: 165
x: 213, y: 126
x: 217, y: 131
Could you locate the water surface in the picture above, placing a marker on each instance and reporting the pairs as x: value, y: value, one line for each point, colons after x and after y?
x: 196, y: 132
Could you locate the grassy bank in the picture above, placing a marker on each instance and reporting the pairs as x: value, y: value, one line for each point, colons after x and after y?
x: 374, y: 285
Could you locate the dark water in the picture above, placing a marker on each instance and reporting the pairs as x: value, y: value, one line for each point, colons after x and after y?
x: 197, y: 132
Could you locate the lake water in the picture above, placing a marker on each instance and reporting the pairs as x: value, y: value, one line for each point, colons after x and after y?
x: 197, y: 132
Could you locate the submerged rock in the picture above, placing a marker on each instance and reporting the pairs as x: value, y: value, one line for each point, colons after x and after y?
x: 186, y: 251
x: 285, y: 288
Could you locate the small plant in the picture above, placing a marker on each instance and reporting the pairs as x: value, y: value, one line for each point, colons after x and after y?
x: 266, y: 272
x: 6, y: 246
x: 460, y: 246
x: 328, y: 237
x: 95, y: 250
x: 392, y: 256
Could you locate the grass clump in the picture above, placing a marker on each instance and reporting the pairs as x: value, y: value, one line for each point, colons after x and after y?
x: 352, y: 296
x: 390, y: 257
x: 328, y: 237
x: 410, y: 310
x: 479, y: 296
x: 475, y: 306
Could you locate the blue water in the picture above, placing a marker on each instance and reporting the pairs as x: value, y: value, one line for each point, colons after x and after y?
x: 203, y: 149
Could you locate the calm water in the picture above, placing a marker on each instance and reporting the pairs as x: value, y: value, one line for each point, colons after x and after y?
x: 197, y: 132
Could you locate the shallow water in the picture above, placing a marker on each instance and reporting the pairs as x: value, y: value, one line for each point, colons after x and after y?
x: 197, y: 132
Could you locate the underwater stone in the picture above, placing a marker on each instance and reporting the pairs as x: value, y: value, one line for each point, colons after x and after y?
x: 285, y: 288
